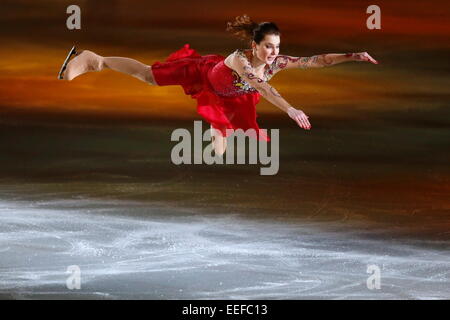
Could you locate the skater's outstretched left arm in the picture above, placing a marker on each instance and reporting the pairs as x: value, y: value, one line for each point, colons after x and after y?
x: 283, y: 62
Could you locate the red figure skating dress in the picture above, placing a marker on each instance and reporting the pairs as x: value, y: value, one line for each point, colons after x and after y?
x: 224, y: 99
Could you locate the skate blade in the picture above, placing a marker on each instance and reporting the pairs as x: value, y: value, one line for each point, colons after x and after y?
x: 64, y: 65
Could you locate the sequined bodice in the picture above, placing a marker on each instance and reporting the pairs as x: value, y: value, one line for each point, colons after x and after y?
x: 227, y: 82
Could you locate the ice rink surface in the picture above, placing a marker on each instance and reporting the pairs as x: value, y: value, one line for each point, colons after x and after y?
x: 108, y: 200
x: 131, y: 250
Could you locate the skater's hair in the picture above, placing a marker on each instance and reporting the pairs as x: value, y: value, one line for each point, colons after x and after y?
x: 246, y: 29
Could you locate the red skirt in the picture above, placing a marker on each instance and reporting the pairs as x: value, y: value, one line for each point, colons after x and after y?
x: 187, y: 68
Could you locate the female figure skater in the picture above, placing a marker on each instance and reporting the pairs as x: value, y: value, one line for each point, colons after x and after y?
x: 227, y: 89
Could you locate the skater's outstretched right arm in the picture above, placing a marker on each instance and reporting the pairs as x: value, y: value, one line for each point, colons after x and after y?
x: 243, y: 67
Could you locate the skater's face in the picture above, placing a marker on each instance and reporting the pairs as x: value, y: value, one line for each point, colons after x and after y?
x: 268, y: 49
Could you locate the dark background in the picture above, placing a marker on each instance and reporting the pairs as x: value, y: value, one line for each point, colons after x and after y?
x: 378, y: 150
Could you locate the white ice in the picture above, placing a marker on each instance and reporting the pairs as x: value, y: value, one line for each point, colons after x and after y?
x: 128, y: 249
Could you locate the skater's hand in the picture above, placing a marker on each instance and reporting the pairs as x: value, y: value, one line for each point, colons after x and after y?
x: 363, y: 56
x: 300, y: 117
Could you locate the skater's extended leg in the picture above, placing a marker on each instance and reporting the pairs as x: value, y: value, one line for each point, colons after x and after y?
x: 131, y: 67
x: 88, y: 61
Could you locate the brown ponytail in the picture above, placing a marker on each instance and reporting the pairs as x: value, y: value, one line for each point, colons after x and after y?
x: 242, y: 27
x: 246, y: 29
